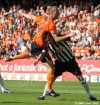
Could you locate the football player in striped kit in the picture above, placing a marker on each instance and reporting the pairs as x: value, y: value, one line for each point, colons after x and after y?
x: 64, y: 61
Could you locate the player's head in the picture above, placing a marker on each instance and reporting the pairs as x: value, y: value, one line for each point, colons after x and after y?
x: 48, y: 38
x: 53, y: 11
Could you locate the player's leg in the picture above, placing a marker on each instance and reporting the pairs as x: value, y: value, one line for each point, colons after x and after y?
x: 44, y: 94
x: 86, y: 87
x: 57, y: 71
x: 77, y: 72
x: 45, y: 90
x: 50, y: 80
x: 53, y: 72
x: 3, y: 88
x: 50, y: 75
x: 19, y: 56
x: 72, y: 67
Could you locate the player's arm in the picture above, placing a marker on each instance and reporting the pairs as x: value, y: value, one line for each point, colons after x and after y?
x: 40, y: 57
x: 62, y: 37
x: 29, y: 16
x: 59, y: 38
x: 50, y: 51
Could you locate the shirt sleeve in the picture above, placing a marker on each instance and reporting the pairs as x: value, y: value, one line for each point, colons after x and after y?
x: 38, y: 18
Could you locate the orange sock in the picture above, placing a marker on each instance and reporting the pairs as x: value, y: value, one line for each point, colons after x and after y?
x: 20, y: 56
x: 50, y: 80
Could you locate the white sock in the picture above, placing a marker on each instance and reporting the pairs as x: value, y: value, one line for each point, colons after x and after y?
x: 2, y: 83
x: 44, y: 92
x: 86, y: 87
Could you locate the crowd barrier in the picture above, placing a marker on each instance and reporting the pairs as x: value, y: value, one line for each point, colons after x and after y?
x: 24, y: 69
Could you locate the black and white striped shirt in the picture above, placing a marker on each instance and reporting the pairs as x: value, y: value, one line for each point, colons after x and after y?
x: 62, y: 51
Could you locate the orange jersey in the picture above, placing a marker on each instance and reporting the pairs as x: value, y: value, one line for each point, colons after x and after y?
x: 44, y: 24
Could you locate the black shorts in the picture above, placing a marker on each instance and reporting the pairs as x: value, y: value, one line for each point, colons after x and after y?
x: 71, y: 66
x: 36, y: 50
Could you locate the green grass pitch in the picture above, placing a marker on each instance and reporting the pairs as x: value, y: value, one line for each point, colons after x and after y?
x: 26, y: 93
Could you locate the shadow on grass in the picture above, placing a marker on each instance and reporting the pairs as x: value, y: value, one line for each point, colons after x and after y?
x: 98, y: 100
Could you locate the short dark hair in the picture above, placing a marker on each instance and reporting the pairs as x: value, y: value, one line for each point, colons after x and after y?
x: 46, y: 34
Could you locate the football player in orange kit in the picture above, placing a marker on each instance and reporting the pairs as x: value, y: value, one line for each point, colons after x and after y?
x: 44, y: 23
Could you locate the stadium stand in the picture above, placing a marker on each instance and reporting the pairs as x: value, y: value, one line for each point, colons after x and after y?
x: 78, y: 17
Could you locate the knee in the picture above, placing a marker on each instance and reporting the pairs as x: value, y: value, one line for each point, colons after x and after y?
x: 51, y: 68
x: 80, y: 78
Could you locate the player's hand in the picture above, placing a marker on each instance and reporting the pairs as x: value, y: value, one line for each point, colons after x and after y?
x: 53, y: 60
x: 36, y: 62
